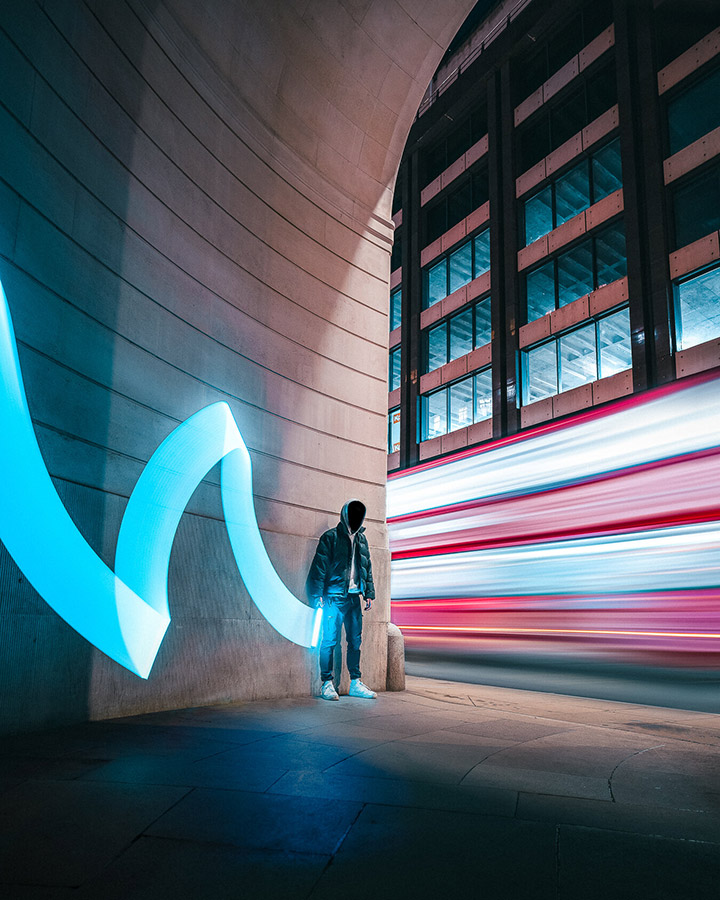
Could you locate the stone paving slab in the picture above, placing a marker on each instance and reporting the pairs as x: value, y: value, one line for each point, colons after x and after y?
x: 499, y: 793
x: 66, y: 832
x: 429, y: 853
x: 597, y: 865
x: 156, y: 867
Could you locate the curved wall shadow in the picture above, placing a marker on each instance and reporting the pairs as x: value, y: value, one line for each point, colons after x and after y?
x: 194, y: 207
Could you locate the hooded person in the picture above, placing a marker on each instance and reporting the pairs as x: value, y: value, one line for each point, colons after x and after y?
x: 341, y: 582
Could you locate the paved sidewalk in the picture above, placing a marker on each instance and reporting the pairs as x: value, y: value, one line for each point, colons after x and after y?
x: 446, y: 788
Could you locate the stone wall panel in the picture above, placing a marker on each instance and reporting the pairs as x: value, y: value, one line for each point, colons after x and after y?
x: 196, y: 206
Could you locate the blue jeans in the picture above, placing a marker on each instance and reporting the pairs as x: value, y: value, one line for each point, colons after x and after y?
x: 335, y: 612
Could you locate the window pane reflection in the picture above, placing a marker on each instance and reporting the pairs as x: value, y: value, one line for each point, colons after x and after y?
x: 614, y: 343
x: 575, y: 274
x: 538, y: 215
x: 437, y: 347
x: 461, y: 404
x: 483, y: 323
x: 437, y: 283
x: 483, y: 395
x: 699, y: 309
x: 394, y: 378
x: 482, y: 253
x: 540, y: 291
x: 461, y: 334
x: 577, y: 358
x: 606, y: 171
x: 610, y: 253
x: 572, y: 193
x: 436, y: 414
x: 541, y: 373
x: 393, y: 431
x: 461, y: 267
x: 395, y: 308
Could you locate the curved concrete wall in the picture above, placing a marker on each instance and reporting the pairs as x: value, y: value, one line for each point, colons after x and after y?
x: 194, y: 206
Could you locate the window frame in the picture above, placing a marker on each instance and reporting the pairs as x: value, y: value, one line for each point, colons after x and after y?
x: 708, y: 71
x: 708, y: 170
x: 394, y: 354
x: 446, y: 389
x: 477, y: 118
x: 396, y: 307
x: 478, y: 198
x: 555, y: 340
x: 391, y: 413
x: 676, y: 319
x: 445, y: 323
x: 587, y: 162
x: 592, y: 240
x: 543, y: 127
x: 588, y: 33
x: 444, y: 258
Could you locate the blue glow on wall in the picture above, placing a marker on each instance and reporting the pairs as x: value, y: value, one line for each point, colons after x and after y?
x: 125, y: 613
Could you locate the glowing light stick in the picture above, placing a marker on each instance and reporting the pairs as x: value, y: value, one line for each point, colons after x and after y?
x: 125, y: 613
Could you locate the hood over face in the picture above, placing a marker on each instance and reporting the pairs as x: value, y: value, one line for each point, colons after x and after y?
x: 353, y: 515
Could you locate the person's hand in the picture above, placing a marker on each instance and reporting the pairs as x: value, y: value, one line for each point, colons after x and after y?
x: 368, y: 603
x: 321, y: 602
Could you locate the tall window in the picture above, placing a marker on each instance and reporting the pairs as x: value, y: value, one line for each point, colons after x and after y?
x: 696, y: 207
x: 680, y: 24
x: 458, y: 335
x: 457, y: 406
x: 451, y: 147
x: 551, y: 127
x: 394, y: 430
x: 453, y: 207
x: 595, y: 350
x: 394, y: 373
x: 396, y: 254
x: 468, y: 261
x: 530, y: 72
x: 697, y: 309
x: 596, y: 261
x: 576, y: 190
x: 695, y: 112
x: 395, y: 308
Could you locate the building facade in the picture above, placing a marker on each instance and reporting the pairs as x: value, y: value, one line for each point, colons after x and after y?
x: 557, y: 212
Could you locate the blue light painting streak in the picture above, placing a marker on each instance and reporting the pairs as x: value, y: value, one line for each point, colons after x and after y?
x: 680, y: 558
x: 125, y: 613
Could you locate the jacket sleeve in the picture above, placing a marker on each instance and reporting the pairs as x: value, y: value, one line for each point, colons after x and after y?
x: 315, y: 584
x: 370, y: 584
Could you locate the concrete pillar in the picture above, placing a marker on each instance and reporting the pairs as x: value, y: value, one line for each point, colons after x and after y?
x: 195, y: 206
x: 395, y: 680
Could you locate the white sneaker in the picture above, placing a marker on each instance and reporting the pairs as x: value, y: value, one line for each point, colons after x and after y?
x: 358, y: 689
x: 328, y: 691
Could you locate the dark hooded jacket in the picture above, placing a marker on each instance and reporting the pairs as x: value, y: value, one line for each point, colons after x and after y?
x: 329, y: 575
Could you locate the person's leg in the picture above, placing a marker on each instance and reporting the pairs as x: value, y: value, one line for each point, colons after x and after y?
x: 331, y: 622
x: 353, y: 634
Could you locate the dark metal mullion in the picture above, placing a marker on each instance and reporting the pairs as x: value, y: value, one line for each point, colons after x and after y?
x: 594, y: 262
x: 557, y: 365
x: 447, y: 409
